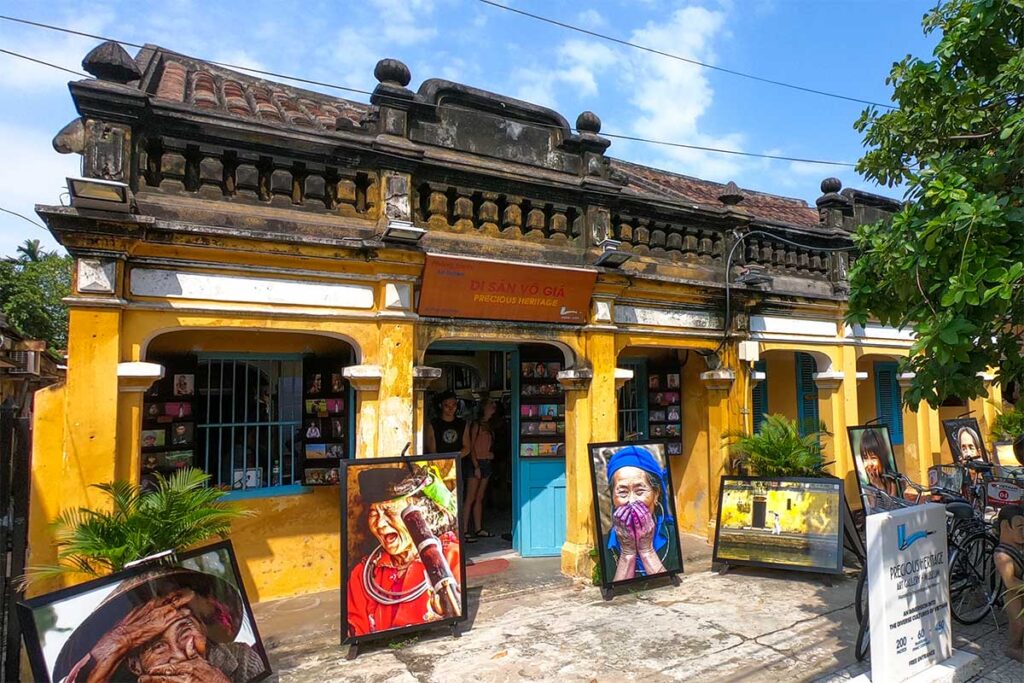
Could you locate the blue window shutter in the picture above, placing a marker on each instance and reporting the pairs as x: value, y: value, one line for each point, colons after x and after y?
x: 806, y: 394
x: 889, y: 401
x: 760, y: 399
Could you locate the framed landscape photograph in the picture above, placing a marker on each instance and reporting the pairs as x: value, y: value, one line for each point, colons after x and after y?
x: 964, y: 438
x: 88, y: 632
x: 784, y: 523
x: 400, y: 510
x: 637, y: 532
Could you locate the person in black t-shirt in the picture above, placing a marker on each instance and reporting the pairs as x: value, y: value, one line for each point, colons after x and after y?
x: 446, y: 433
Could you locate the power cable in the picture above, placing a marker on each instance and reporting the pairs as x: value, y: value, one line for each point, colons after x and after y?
x: 39, y: 61
x: 687, y: 60
x: 297, y: 79
x: 24, y: 218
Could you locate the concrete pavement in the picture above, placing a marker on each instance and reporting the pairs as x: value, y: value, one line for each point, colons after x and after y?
x: 527, y: 622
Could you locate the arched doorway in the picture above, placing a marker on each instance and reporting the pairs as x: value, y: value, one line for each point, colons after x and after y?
x: 524, y: 505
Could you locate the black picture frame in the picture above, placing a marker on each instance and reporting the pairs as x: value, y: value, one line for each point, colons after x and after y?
x: 607, y: 572
x: 952, y: 429
x: 27, y: 608
x: 836, y: 483
x: 345, y: 569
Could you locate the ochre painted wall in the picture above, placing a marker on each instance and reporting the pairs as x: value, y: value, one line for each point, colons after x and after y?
x: 781, y: 373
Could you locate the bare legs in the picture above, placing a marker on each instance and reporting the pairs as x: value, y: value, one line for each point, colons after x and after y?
x: 476, y: 489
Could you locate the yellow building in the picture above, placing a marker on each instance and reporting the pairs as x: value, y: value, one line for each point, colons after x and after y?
x: 279, y: 248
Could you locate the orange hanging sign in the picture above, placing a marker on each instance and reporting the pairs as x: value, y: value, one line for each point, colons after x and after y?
x: 456, y: 287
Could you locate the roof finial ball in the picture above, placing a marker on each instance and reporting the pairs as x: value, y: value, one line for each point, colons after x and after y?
x: 588, y: 122
x: 392, y: 72
x: 831, y: 185
x: 108, y: 61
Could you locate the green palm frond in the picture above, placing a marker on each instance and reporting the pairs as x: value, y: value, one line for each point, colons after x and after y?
x: 778, y: 449
x: 181, y: 512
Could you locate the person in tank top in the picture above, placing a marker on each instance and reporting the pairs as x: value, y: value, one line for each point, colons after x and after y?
x: 1009, y: 560
x: 447, y: 433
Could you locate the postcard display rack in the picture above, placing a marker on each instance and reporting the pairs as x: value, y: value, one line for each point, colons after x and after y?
x: 325, y: 420
x: 168, y: 437
x: 541, y: 408
x: 664, y: 410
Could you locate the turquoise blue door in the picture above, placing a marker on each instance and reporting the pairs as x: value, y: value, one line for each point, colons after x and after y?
x: 538, y: 492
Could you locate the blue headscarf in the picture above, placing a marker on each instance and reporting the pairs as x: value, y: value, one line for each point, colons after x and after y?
x: 640, y: 457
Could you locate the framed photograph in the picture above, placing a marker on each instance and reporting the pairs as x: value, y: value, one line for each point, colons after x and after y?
x: 182, y: 433
x: 337, y: 428
x: 247, y: 478
x: 184, y: 385
x: 178, y: 410
x: 154, y: 410
x: 312, y: 430
x: 154, y: 438
x: 528, y: 411
x: 337, y: 382
x: 560, y: 427
x: 964, y: 438
x: 86, y: 632
x: 634, y: 500
x: 549, y: 411
x: 554, y: 369
x: 873, y: 457
x: 653, y: 383
x: 786, y: 523
x: 949, y: 477
x: 322, y: 476
x: 314, y: 384
x: 335, y: 406
x: 673, y: 414
x: 401, y: 508
x: 527, y: 370
x: 674, y: 448
x: 672, y: 430
x: 657, y: 430
x: 335, y: 450
x: 529, y: 427
x: 672, y: 381
x: 657, y: 416
x: 528, y: 450
x: 547, y: 428
x: 316, y: 450
x: 316, y: 407
x: 657, y: 399
x: 167, y: 462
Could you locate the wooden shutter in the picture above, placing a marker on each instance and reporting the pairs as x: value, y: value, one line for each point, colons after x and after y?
x: 760, y: 401
x: 806, y: 394
x: 888, y: 400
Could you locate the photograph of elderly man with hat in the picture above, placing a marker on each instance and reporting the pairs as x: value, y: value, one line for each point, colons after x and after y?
x: 165, y: 624
x: 633, y: 507
x: 402, y: 545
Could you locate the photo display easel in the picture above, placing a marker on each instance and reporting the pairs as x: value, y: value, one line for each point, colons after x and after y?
x: 168, y: 436
x: 541, y: 407
x: 325, y: 420
x: 665, y: 408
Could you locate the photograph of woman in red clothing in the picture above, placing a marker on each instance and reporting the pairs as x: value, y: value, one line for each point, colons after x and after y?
x: 402, y: 556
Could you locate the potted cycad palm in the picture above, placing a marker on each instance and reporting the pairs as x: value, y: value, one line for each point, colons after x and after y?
x: 777, y: 450
x: 1008, y: 431
x: 182, y: 511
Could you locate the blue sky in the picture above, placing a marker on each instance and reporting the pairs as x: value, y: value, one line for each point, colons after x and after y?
x: 846, y: 47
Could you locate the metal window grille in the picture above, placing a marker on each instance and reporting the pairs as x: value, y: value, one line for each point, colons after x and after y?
x: 633, y: 405
x: 249, y: 417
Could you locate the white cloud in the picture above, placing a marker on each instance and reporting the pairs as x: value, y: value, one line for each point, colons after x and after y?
x: 61, y: 49
x: 37, y: 178
x: 579, y: 65
x: 404, y: 22
x: 591, y: 18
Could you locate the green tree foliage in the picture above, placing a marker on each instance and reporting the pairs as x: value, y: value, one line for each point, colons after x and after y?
x: 32, y: 286
x: 950, y: 265
x: 778, y: 450
x: 182, y: 512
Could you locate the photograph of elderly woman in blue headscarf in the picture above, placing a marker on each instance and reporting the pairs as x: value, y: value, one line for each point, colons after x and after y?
x: 633, y: 502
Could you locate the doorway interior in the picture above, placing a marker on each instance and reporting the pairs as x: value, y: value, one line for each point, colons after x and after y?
x: 524, y: 502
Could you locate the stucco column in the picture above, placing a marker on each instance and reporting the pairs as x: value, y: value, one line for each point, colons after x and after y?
x: 832, y: 411
x: 366, y: 380
x: 917, y: 454
x: 422, y: 377
x: 395, y: 358
x: 719, y: 386
x: 579, y: 501
x: 985, y: 408
x: 133, y: 379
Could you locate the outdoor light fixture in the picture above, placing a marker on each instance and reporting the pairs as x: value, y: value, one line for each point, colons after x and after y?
x: 611, y: 257
x: 105, y: 195
x: 402, y: 231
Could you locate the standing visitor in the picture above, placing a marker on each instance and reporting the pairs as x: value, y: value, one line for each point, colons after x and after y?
x: 481, y: 455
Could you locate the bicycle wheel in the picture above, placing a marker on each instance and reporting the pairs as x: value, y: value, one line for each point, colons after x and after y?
x: 861, y: 604
x: 863, y: 640
x: 971, y: 588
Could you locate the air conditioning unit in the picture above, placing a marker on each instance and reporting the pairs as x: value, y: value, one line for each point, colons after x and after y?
x: 26, y: 362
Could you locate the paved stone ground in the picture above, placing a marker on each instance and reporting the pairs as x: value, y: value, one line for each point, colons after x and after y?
x: 529, y: 623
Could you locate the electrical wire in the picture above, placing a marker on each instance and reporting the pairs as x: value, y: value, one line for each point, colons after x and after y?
x: 687, y: 60
x: 24, y: 218
x: 297, y: 79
